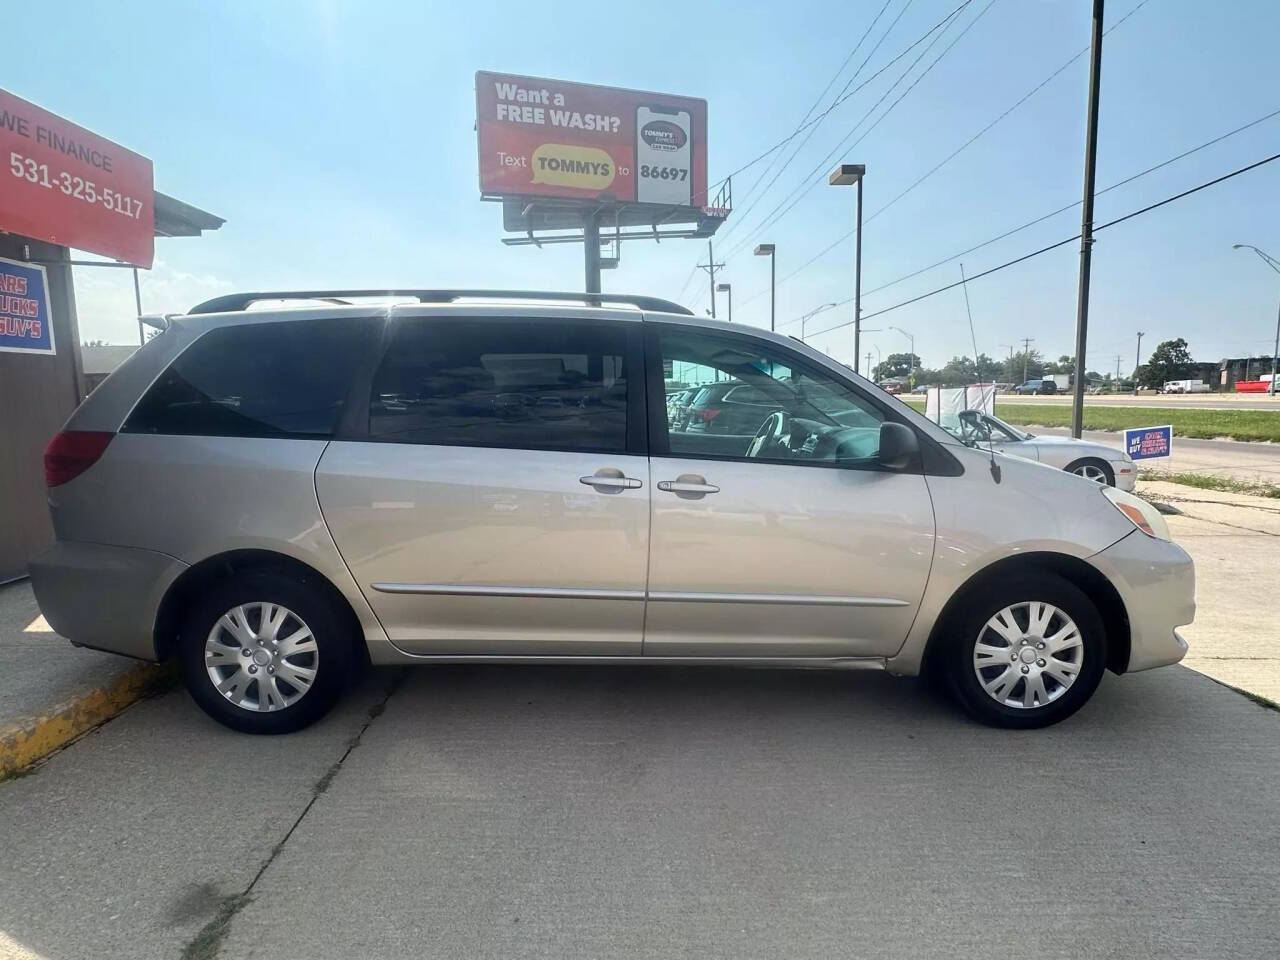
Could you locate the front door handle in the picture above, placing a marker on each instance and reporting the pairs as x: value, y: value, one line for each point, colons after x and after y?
x: 688, y: 485
x: 607, y: 478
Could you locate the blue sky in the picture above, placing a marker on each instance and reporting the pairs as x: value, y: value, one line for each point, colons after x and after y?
x: 337, y: 140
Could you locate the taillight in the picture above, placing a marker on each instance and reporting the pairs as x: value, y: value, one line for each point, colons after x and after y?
x: 707, y: 414
x: 72, y: 452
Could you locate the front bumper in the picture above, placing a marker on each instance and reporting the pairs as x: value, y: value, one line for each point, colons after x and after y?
x: 1157, y: 582
x: 103, y: 597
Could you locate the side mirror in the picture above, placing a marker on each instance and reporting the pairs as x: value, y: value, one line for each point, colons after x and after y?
x: 898, y: 445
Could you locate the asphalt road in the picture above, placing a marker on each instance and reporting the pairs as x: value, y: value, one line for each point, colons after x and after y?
x: 655, y: 812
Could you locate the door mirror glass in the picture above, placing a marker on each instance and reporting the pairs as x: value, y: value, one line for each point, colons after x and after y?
x: 899, y: 446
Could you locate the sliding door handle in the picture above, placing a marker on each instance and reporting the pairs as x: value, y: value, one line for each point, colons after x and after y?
x: 688, y: 484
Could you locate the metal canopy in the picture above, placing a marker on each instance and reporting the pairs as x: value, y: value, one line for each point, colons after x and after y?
x: 177, y: 219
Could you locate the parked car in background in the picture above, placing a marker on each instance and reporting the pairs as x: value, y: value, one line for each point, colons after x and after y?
x: 1039, y: 386
x: 920, y: 390
x: 891, y: 387
x: 433, y: 482
x: 678, y: 406
x: 1093, y: 461
x: 728, y: 407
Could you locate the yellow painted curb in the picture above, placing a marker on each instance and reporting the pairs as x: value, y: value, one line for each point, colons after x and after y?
x: 28, y: 740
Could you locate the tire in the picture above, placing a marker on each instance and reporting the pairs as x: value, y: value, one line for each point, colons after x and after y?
x: 1095, y: 465
x: 328, y: 654
x: 959, y: 659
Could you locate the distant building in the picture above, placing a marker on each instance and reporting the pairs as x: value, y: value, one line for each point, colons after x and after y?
x: 1233, y: 369
x: 99, y: 361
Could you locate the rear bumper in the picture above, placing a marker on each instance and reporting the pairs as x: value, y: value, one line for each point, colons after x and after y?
x: 1156, y: 580
x: 1126, y: 474
x: 104, y: 597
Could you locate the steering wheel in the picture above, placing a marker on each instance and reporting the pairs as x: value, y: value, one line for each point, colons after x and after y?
x: 776, y: 426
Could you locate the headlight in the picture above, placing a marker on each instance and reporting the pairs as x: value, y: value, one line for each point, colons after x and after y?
x: 1140, y: 513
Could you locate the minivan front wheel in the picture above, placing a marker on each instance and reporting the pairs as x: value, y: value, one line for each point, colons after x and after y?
x: 264, y: 653
x: 1028, y: 653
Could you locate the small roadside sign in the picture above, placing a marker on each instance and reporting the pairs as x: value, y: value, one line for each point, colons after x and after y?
x: 24, y: 309
x: 1148, y: 443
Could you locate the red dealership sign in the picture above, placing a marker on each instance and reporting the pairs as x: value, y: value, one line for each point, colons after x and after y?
x: 65, y: 185
x: 550, y: 138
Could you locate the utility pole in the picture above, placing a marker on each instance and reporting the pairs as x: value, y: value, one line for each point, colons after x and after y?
x: 869, y: 365
x: 1026, y: 353
x: 711, y: 267
x: 1137, y: 362
x: 1117, y: 383
x: 1086, y: 220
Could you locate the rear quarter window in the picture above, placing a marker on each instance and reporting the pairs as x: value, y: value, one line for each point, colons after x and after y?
x: 280, y: 379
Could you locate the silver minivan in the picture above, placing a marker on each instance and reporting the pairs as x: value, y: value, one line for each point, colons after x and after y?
x: 277, y: 496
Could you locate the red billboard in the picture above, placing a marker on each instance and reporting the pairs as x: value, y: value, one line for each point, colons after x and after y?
x: 549, y: 138
x: 71, y: 187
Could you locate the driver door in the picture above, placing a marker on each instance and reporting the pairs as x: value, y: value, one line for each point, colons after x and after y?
x: 765, y: 543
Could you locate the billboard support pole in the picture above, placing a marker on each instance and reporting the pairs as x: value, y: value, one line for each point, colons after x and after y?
x: 137, y: 299
x: 591, y: 250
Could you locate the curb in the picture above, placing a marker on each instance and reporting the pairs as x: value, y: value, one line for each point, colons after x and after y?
x: 26, y: 741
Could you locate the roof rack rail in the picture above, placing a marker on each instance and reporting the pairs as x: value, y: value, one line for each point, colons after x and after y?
x: 242, y: 301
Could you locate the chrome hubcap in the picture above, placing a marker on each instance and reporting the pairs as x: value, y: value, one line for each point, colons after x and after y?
x: 1090, y: 472
x: 1028, y: 655
x: 261, y: 656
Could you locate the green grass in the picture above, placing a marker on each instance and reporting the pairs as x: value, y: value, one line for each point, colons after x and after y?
x: 1235, y: 424
x: 1207, y: 482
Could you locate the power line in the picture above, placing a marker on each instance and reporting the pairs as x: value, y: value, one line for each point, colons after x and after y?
x: 838, y: 101
x: 685, y: 286
x: 953, y: 155
x: 807, y: 183
x: 1054, y: 246
x: 1030, y: 223
x: 1025, y: 97
x: 814, y: 128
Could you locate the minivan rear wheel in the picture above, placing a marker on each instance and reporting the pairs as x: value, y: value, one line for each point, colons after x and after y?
x: 1027, y: 653
x: 265, y: 653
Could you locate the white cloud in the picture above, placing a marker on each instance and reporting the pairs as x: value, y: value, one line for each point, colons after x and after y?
x: 105, y: 301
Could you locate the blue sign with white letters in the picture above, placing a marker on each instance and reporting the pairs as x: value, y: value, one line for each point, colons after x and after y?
x: 1147, y: 443
x: 25, y: 326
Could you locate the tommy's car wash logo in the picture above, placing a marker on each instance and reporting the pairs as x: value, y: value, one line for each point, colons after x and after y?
x: 663, y: 135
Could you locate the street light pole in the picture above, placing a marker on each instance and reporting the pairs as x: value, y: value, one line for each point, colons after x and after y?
x: 1137, y: 362
x: 842, y: 176
x: 1274, y: 264
x: 768, y: 250
x: 910, y: 337
x: 728, y: 289
x: 811, y: 314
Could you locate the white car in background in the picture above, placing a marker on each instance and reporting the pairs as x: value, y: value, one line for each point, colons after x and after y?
x: 1093, y: 461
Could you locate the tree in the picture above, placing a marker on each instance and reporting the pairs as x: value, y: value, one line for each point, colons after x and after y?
x: 1034, y: 365
x: 1171, y: 360
x: 896, y: 365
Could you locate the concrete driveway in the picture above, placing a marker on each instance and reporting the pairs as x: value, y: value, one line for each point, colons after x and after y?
x: 656, y: 812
